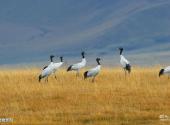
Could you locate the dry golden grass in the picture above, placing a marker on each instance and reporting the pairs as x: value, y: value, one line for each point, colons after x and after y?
x: 113, y: 99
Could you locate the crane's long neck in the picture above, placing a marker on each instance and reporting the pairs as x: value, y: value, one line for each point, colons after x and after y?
x: 83, y: 60
x: 51, y: 59
x: 61, y: 59
x: 121, y: 51
x: 98, y: 66
x: 98, y: 62
x: 83, y: 56
x: 121, y: 56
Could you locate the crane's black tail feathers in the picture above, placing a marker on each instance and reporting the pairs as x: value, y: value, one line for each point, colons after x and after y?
x: 161, y: 72
x: 69, y: 68
x: 85, y: 74
x: 45, y: 67
x: 128, y: 68
x: 39, y: 78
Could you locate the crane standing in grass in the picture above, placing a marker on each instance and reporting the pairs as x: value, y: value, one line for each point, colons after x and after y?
x: 94, y: 71
x: 47, y: 70
x: 76, y: 67
x: 124, y: 62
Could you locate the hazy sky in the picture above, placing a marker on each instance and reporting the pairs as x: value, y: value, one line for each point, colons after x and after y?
x: 31, y: 30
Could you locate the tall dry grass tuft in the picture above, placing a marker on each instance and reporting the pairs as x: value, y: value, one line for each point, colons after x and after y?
x: 138, y: 99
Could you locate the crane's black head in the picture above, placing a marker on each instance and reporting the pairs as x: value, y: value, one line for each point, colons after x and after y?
x: 51, y: 58
x: 121, y: 50
x: 161, y: 72
x: 98, y: 60
x: 61, y: 58
x: 83, y: 53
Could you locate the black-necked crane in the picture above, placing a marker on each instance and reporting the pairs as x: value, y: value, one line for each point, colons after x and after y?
x: 94, y: 71
x: 47, y: 70
x: 76, y: 67
x: 124, y: 62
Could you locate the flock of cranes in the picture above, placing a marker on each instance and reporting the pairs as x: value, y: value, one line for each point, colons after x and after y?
x: 53, y: 67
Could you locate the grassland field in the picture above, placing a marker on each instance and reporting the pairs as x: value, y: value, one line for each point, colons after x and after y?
x: 112, y: 99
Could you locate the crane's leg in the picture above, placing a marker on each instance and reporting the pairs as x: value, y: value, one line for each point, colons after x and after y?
x: 47, y: 79
x: 77, y: 74
x: 55, y: 76
x: 125, y: 72
x: 93, y: 79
